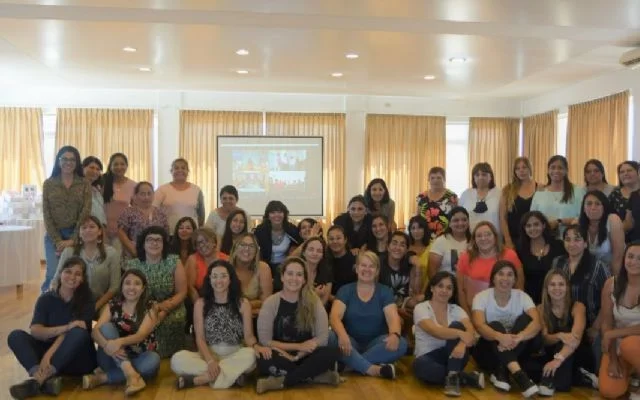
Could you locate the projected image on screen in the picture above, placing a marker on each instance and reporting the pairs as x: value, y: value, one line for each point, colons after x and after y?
x: 262, y: 168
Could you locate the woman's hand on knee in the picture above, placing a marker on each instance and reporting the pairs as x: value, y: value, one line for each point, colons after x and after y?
x: 344, y: 343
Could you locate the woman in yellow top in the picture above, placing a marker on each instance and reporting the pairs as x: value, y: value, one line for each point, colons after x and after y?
x: 419, y: 244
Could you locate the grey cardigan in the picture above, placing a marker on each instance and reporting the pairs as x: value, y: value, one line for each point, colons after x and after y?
x: 268, y: 313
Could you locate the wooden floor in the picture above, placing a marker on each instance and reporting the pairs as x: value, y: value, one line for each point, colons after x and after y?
x: 16, y: 309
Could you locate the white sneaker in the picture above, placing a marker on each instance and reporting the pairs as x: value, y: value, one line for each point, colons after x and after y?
x: 593, y: 378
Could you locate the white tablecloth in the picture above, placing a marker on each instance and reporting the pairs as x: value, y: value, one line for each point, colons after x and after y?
x: 38, y: 226
x: 19, y: 262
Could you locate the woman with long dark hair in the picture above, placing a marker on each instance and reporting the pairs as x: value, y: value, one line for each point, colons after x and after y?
x: 595, y: 178
x: 619, y: 199
x: 378, y: 240
x: 313, y: 251
x: 516, y: 200
x: 339, y: 258
x: 445, y: 251
x: 126, y: 339
x: 223, y: 328
x: 444, y: 336
x: 182, y: 243
x: 419, y: 244
x: 118, y: 192
x: 537, y: 248
x: 293, y: 324
x: 378, y: 201
x: 66, y: 201
x: 92, y: 170
x: 235, y: 226
x: 560, y: 199
x: 59, y: 341
x: 356, y: 223
x: 276, y: 236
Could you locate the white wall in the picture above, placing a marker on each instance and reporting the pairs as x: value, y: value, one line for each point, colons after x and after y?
x: 167, y: 104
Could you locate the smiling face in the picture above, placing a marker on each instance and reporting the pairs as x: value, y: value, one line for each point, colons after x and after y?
x: 71, y: 277
x: 179, y: 171
x: 206, y: 246
x: 144, y: 197
x: 592, y: 174
x: 628, y: 175
x: 504, y: 280
x: 377, y: 192
x: 153, y: 245
x: 228, y: 201
x: 246, y: 250
x: 379, y: 229
x: 90, y: 232
x: 533, y: 227
x: 357, y: 211
x: 417, y: 232
x: 293, y: 277
x: 485, y: 239
x: 67, y: 162
x: 574, y: 243
x: 366, y: 270
x: 132, y: 287
x: 185, y: 230
x: 118, y: 167
x: 313, y: 252
x: 398, y: 247
x: 219, y: 279
x: 593, y: 208
x: 276, y: 218
x: 459, y: 223
x: 557, y: 171
x: 92, y: 172
x: 443, y: 290
x: 337, y: 241
x: 557, y: 287
x: 305, y: 230
x: 522, y: 171
x: 632, y: 260
x: 238, y: 224
x: 436, y: 181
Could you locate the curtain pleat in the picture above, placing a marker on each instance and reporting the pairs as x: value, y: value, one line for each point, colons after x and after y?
x: 495, y: 141
x: 539, y: 133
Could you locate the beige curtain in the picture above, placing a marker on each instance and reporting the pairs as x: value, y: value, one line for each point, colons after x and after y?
x: 102, y: 132
x: 495, y: 141
x: 597, y: 129
x: 400, y: 149
x: 331, y: 127
x: 199, y: 131
x: 539, y: 133
x: 21, y: 148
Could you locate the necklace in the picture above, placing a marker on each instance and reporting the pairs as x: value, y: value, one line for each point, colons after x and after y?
x: 277, y: 238
x: 539, y: 253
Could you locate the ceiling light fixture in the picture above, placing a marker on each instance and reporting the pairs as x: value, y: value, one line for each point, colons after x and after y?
x: 351, y: 56
x: 144, y: 69
x: 129, y: 49
x: 337, y: 74
x: 457, y: 60
x: 242, y: 52
x: 242, y: 71
x: 429, y: 77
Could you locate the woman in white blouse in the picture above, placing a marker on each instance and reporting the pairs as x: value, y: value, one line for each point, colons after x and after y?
x: 482, y: 200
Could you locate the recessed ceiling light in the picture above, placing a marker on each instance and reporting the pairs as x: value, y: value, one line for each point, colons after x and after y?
x: 144, y: 69
x: 351, y: 56
x: 242, y: 71
x: 429, y: 77
x: 242, y: 52
x: 337, y: 74
x: 129, y: 49
x: 457, y: 60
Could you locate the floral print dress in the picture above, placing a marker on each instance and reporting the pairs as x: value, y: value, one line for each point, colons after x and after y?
x: 161, y: 286
x: 436, y: 211
x: 127, y: 325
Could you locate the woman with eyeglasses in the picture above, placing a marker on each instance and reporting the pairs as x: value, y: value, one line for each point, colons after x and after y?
x: 516, y: 200
x: 235, y: 225
x: 167, y: 283
x: 603, y: 228
x: 436, y: 203
x: 594, y: 177
x: 475, y: 264
x: 560, y: 199
x: 197, y: 265
x: 92, y: 170
x: 482, y: 200
x: 66, y: 201
x: 254, y: 275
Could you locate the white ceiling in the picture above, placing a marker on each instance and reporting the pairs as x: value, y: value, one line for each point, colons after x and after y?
x: 515, y: 48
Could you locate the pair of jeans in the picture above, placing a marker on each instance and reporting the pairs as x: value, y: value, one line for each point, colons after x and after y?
x: 76, y: 355
x: 322, y: 359
x: 51, y: 256
x: 435, y: 365
x: 147, y: 363
x: 364, y: 355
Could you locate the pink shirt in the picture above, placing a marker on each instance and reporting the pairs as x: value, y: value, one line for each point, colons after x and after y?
x: 177, y: 203
x: 122, y: 195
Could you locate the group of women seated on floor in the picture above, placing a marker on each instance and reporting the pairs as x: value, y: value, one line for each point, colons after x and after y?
x: 547, y: 302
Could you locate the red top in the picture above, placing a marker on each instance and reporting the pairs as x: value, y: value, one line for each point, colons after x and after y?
x: 202, y: 267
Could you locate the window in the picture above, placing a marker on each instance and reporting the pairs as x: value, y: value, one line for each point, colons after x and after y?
x: 458, y: 156
x: 48, y: 140
x: 561, y: 140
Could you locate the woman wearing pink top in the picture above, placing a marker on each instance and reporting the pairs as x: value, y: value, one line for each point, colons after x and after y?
x: 117, y: 192
x: 180, y: 198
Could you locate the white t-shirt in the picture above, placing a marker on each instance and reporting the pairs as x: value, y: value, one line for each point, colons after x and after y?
x: 519, y: 303
x: 425, y: 343
x: 468, y: 200
x: 449, y: 249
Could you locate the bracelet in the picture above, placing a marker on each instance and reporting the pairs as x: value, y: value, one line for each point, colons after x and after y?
x: 395, y: 333
x: 559, y: 357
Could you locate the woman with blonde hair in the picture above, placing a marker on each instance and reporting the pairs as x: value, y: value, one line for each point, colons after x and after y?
x: 516, y: 200
x: 254, y: 275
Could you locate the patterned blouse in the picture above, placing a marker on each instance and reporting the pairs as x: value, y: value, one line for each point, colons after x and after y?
x: 436, y: 211
x: 64, y: 207
x: 223, y: 326
x: 128, y: 325
x: 619, y: 203
x: 133, y: 221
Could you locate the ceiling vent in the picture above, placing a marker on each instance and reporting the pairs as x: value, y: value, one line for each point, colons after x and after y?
x: 631, y: 59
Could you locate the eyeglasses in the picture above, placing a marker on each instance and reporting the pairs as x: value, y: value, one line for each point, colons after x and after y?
x: 156, y: 240
x: 200, y: 243
x: 66, y: 160
x: 246, y: 246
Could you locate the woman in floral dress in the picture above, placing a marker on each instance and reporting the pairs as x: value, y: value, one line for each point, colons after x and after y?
x: 437, y: 202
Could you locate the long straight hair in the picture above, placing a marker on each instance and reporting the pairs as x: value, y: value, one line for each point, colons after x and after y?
x: 227, y: 237
x: 510, y: 192
x: 547, y: 313
x: 567, y: 187
x: 141, y: 305
x: 82, y: 294
x: 306, y: 307
x: 57, y: 170
x: 109, y: 178
x: 583, y: 220
x: 622, y: 280
x: 78, y: 244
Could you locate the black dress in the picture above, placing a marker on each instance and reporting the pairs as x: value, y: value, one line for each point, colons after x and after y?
x: 521, y: 206
x: 535, y: 268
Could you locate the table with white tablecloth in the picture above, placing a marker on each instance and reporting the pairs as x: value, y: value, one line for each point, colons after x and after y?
x: 19, y: 263
x: 38, y: 226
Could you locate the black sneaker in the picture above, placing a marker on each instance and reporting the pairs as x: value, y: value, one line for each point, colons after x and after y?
x: 500, y: 379
x: 388, y: 371
x: 546, y: 386
x: 452, y: 385
x: 26, y: 389
x: 526, y: 385
x: 473, y: 379
x: 52, y: 386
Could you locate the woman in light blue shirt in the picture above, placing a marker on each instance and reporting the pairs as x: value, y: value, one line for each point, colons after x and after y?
x: 560, y: 199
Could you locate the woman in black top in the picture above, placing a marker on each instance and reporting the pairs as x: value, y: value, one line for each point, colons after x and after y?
x: 356, y: 223
x: 537, y: 249
x: 339, y: 259
x: 313, y: 251
x: 516, y: 200
x: 379, y: 239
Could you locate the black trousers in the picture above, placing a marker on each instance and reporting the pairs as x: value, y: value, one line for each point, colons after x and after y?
x: 321, y: 360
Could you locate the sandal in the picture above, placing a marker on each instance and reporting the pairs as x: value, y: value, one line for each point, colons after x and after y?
x: 185, y: 382
x: 134, y: 386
